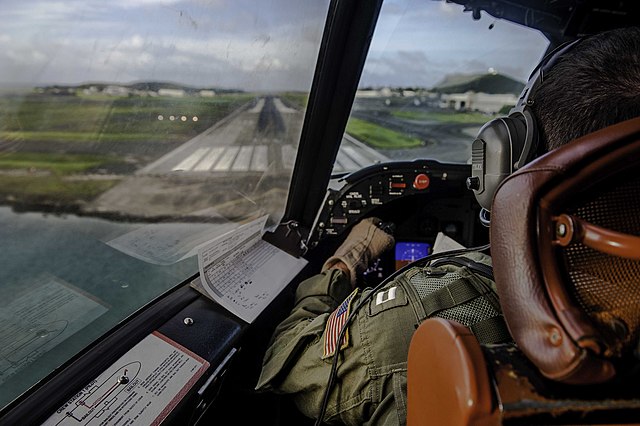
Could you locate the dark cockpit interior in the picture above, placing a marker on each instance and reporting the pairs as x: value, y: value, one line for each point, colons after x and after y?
x: 301, y: 171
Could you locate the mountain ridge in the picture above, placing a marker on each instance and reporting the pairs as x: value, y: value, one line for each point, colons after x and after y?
x: 491, y: 83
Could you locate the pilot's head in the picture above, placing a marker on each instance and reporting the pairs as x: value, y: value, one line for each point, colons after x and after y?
x: 582, y: 87
x: 593, y: 85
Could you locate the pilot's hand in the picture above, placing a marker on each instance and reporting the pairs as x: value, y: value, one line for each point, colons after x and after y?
x: 365, y: 242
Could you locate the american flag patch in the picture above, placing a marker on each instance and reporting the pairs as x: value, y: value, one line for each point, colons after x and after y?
x: 334, y: 326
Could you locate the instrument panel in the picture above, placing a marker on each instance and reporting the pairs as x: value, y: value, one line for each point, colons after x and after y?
x: 421, y: 197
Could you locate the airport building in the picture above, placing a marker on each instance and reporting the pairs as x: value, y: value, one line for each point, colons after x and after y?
x: 473, y: 101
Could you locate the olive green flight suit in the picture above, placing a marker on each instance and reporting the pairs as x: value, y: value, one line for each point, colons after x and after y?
x: 371, y: 380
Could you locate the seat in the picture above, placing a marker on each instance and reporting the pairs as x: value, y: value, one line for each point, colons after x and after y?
x: 447, y: 381
x: 566, y: 257
x: 565, y: 248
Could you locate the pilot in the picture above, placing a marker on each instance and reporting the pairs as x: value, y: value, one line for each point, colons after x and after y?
x: 594, y: 84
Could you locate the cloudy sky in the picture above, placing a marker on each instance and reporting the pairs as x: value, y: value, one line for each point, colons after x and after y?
x: 418, y: 42
x: 247, y: 44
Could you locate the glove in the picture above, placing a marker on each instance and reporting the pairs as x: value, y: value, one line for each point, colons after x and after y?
x: 365, y: 242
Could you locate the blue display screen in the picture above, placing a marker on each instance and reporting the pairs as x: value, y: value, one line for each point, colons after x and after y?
x: 410, y: 251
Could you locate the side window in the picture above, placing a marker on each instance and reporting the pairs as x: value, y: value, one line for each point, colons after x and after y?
x: 132, y: 132
x: 433, y: 77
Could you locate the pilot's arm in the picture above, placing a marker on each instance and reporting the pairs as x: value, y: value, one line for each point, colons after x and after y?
x: 297, y: 361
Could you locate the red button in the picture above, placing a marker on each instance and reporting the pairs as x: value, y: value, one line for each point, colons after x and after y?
x: 421, y: 182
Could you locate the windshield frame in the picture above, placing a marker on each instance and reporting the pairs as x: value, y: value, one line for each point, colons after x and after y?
x: 343, y: 51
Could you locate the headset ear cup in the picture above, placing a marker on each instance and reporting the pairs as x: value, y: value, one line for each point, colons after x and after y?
x: 507, y: 144
x: 502, y: 146
x: 492, y: 156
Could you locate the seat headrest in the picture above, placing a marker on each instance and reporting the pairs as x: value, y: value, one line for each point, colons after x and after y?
x: 566, y: 255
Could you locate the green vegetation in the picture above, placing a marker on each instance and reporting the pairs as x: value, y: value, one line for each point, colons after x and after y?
x: 140, y: 115
x: 58, y: 164
x: 49, y: 142
x: 74, y: 137
x: 55, y: 186
x: 298, y: 100
x: 443, y: 116
x: 380, y: 137
x: 38, y: 189
x: 46, y: 117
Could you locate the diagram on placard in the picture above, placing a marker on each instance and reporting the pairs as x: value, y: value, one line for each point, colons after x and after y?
x: 96, y: 399
x: 27, y: 344
x: 39, y: 317
x: 140, y: 388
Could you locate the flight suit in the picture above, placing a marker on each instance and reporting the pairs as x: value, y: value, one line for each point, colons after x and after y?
x: 371, y: 380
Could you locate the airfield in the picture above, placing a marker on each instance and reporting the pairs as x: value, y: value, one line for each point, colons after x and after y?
x: 144, y: 159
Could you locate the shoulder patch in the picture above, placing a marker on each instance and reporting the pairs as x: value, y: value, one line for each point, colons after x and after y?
x: 386, y: 299
x: 335, y: 322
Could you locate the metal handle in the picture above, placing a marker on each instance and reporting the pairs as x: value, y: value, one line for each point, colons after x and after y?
x: 570, y: 230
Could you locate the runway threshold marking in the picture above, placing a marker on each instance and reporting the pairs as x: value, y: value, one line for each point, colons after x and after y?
x: 260, y: 161
x: 227, y: 158
x: 243, y: 160
x: 209, y: 159
x: 191, y: 160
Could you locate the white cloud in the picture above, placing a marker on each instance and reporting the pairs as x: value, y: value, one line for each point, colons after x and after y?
x: 449, y: 8
x: 136, y: 41
x: 73, y: 42
x: 132, y: 4
x: 227, y: 43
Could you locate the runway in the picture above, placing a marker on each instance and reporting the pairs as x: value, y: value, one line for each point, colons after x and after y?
x: 259, y: 138
x: 240, y: 165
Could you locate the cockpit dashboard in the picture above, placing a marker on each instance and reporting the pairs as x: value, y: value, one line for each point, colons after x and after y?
x: 419, y: 199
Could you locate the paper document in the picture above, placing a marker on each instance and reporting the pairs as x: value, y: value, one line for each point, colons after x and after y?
x: 244, y: 273
x: 444, y: 243
x: 167, y: 243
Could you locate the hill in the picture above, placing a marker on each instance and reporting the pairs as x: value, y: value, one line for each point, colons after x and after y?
x: 485, y: 83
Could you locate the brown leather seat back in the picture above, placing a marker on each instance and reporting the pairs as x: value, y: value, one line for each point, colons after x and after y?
x: 447, y: 378
x: 566, y: 255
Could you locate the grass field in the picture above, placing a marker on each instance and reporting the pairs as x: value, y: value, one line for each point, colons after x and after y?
x: 45, y: 139
x: 442, y: 116
x: 56, y: 164
x: 76, y: 118
x: 297, y: 100
x: 380, y: 137
x: 51, y: 189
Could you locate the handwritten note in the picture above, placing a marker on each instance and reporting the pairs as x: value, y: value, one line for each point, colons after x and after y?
x: 244, y: 273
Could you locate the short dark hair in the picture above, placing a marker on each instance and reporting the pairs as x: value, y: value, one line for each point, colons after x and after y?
x: 594, y: 85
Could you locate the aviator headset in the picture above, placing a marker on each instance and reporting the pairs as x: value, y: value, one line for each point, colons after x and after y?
x: 506, y: 144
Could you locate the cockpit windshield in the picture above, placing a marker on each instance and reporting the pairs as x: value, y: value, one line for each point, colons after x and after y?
x: 432, y: 78
x: 131, y: 132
